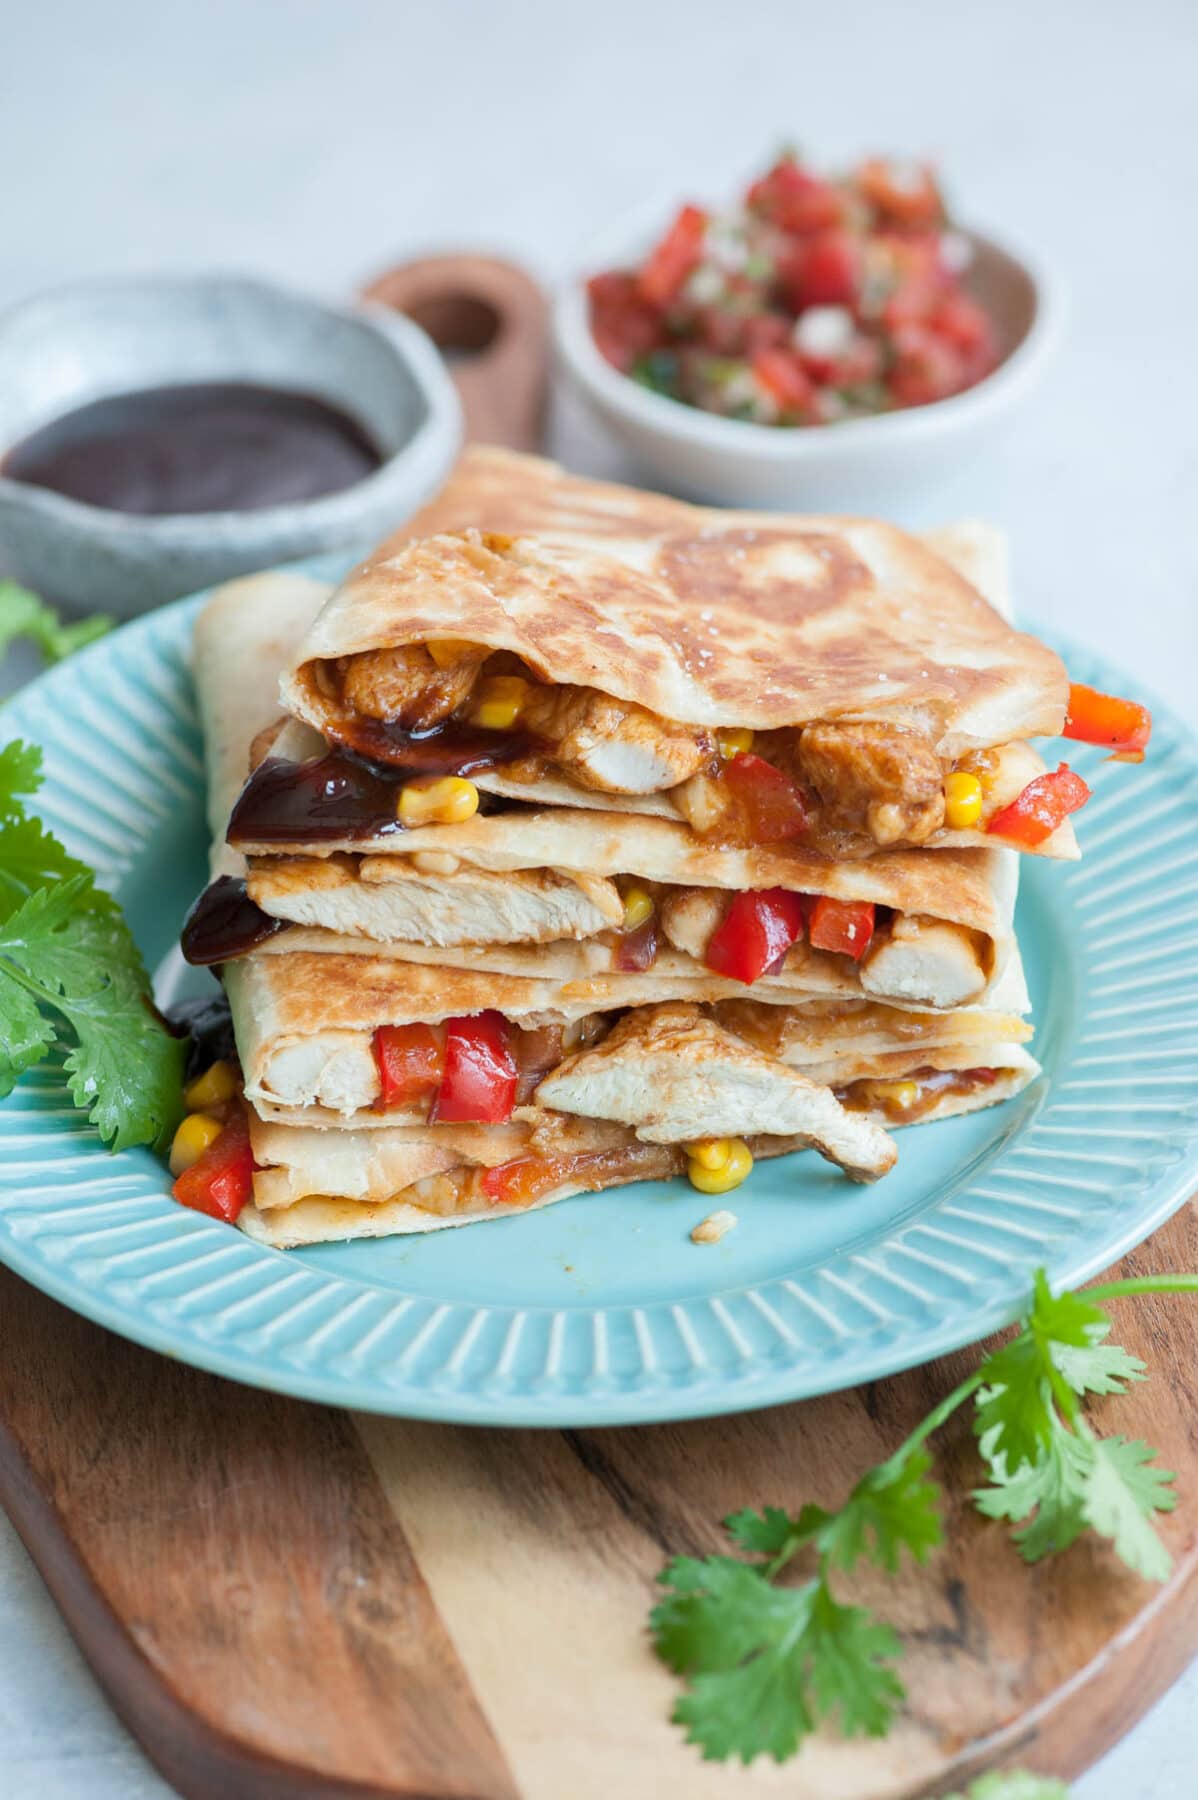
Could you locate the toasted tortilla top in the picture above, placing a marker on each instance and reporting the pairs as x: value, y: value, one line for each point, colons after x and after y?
x: 728, y: 620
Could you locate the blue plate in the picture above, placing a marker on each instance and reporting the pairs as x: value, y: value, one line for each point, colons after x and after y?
x: 600, y: 1310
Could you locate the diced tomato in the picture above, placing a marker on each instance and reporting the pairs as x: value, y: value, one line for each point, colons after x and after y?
x: 721, y: 329
x: 904, y: 194
x: 782, y: 375
x: 759, y: 929
x: 963, y: 322
x: 409, y: 1060
x: 823, y: 270
x: 926, y: 367
x: 623, y: 325
x: 845, y: 926
x: 479, y: 1082
x: 678, y: 253
x: 525, y: 1179
x: 770, y: 805
x: 766, y: 331
x: 637, y: 950
x: 795, y: 200
x: 1044, y: 804
x: 860, y: 362
x: 221, y: 1182
x: 1096, y: 718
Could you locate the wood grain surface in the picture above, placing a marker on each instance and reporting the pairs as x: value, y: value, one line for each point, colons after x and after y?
x: 282, y: 1601
x: 491, y: 321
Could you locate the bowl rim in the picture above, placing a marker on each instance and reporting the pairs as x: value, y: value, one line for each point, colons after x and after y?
x: 409, y: 345
x: 617, y: 393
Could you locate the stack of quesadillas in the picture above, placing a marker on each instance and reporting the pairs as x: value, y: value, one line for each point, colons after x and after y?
x: 583, y: 836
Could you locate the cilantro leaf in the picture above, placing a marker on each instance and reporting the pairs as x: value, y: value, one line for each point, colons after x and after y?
x: 1098, y: 1369
x: 31, y: 858
x: 1014, y: 1784
x: 1048, y: 1493
x: 766, y: 1662
x: 20, y: 773
x: 892, y: 1509
x: 23, y: 615
x: 775, y: 1532
x: 25, y: 1035
x: 1013, y: 1418
x: 1121, y: 1494
x: 80, y: 961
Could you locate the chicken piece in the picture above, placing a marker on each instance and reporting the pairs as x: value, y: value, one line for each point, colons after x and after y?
x: 927, y: 961
x: 389, y: 899
x: 690, y: 916
x: 884, y: 777
x: 406, y: 687
x: 675, y: 1076
x: 613, y: 745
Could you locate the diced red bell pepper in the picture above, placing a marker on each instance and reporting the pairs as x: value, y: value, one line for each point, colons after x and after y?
x: 222, y: 1180
x: 668, y: 265
x: 1044, y: 804
x: 845, y: 926
x: 759, y: 929
x: 770, y: 805
x: 479, y: 1082
x: 409, y: 1059
x: 525, y: 1179
x: 637, y: 950
x: 822, y: 270
x: 1096, y: 718
x: 783, y: 376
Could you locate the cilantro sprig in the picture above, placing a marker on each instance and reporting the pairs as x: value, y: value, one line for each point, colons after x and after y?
x: 24, y: 615
x: 71, y: 976
x: 765, y: 1660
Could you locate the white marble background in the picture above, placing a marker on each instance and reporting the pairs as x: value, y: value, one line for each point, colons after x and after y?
x: 316, y: 140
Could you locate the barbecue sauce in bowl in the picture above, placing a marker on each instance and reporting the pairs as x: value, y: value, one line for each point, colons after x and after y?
x: 196, y: 448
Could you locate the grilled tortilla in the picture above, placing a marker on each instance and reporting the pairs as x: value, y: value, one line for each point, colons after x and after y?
x: 865, y: 663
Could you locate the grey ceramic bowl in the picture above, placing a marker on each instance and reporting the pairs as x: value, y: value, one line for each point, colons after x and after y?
x: 74, y: 345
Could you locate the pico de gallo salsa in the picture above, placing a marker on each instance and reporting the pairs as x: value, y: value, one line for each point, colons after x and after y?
x: 814, y: 300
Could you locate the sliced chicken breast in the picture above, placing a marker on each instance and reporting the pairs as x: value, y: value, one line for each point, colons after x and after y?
x: 927, y: 961
x: 389, y: 899
x: 676, y: 1077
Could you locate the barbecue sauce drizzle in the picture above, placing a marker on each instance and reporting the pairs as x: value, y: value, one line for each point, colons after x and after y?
x: 225, y: 922
x: 350, y: 794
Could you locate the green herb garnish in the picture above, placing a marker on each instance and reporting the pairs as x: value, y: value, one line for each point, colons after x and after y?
x: 23, y: 615
x: 765, y: 1661
x: 71, y: 975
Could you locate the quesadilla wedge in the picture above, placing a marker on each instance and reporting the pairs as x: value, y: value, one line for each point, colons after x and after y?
x: 929, y: 931
x: 763, y: 678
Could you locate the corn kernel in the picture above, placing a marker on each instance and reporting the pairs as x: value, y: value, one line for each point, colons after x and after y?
x: 710, y: 1153
x: 499, y: 702
x: 192, y: 1139
x: 212, y: 1088
x: 437, y: 800
x: 962, y: 800
x: 445, y: 652
x: 732, y: 741
x: 900, y: 1094
x: 638, y: 908
x: 724, y: 1179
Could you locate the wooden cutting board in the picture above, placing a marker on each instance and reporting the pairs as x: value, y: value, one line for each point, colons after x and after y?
x: 283, y: 1600
x: 286, y: 1601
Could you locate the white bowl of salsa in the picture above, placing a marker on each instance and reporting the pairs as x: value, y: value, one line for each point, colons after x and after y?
x: 836, y: 365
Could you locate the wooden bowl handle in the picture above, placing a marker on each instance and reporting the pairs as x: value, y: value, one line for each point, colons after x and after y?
x: 491, y: 320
